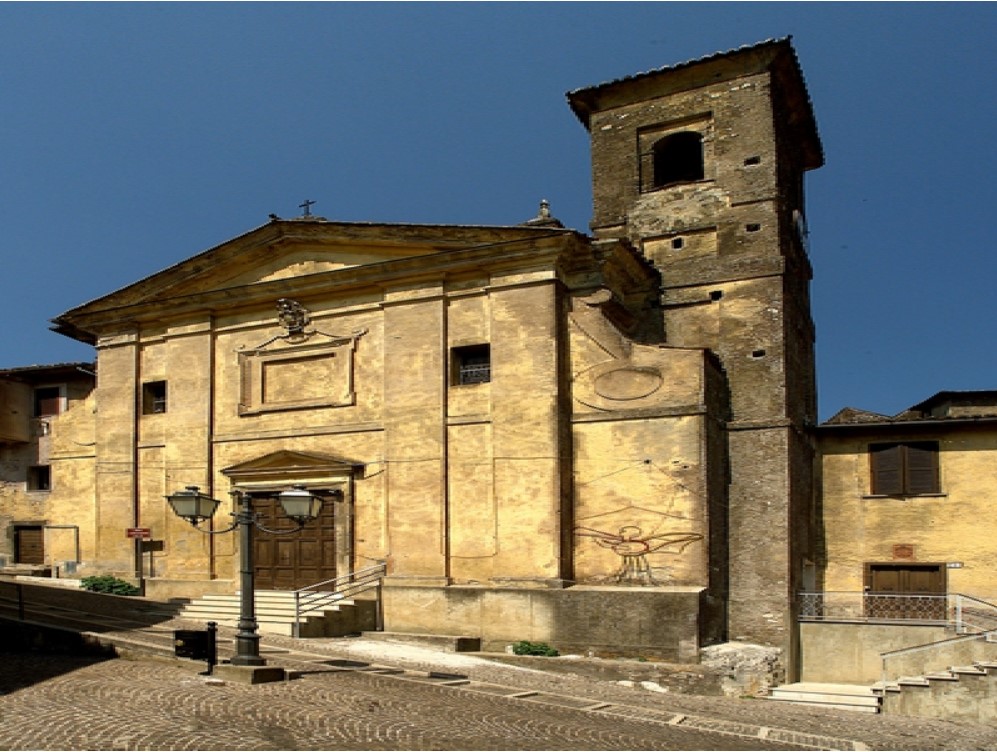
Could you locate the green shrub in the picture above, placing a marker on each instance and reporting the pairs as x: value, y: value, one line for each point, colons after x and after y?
x: 525, y: 647
x: 105, y: 583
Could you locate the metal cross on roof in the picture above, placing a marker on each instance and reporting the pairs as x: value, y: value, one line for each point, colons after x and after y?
x: 307, y: 206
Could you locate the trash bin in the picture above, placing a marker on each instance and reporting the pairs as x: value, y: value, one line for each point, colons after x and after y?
x: 192, y: 643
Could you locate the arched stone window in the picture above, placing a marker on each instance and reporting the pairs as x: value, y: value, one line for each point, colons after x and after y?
x: 678, y: 158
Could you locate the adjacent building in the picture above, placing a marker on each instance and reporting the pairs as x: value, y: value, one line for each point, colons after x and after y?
x: 44, y: 422
x: 907, y: 498
x: 903, y: 583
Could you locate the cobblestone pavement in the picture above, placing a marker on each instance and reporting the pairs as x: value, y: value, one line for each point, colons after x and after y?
x: 127, y: 704
x: 362, y: 694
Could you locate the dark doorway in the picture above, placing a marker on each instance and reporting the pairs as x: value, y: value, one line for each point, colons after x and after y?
x: 295, y: 560
x: 29, y: 544
x: 905, y: 591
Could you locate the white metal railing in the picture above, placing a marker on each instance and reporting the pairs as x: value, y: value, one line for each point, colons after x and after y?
x: 974, y: 615
x: 968, y: 614
x: 322, y: 594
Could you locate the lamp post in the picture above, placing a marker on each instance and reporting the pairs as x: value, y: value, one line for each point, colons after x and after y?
x: 298, y: 503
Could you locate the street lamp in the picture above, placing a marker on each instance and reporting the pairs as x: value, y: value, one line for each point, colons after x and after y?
x: 298, y: 503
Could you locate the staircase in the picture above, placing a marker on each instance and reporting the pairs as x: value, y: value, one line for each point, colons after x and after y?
x: 961, y: 693
x: 325, y: 609
x: 958, y: 693
x: 275, y: 614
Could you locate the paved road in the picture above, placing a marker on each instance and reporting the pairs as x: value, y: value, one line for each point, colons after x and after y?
x: 124, y: 704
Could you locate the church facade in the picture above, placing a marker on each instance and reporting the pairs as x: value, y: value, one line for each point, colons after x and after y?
x: 600, y: 441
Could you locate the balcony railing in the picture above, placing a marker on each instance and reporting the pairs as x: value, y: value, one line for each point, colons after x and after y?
x: 966, y: 613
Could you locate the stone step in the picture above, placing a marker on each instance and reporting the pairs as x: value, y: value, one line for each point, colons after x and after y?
x: 968, y: 671
x: 264, y: 603
x: 857, y: 698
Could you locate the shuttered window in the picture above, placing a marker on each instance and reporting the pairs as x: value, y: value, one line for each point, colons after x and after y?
x: 906, y: 469
x: 48, y: 401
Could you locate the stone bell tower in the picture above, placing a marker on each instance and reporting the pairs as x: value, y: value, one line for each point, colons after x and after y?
x: 700, y: 165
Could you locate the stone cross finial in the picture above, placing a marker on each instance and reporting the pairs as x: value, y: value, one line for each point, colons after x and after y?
x: 307, y: 206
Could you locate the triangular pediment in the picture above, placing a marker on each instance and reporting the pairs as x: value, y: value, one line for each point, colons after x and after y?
x: 258, y: 263
x: 291, y: 465
x: 279, y: 471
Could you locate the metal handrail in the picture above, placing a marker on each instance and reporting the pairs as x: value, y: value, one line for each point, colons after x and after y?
x: 312, y: 598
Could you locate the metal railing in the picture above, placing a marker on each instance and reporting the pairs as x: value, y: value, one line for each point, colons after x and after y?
x: 975, y: 616
x: 969, y: 615
x: 328, y: 592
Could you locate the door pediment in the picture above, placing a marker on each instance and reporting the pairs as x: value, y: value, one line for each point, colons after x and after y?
x: 278, y: 470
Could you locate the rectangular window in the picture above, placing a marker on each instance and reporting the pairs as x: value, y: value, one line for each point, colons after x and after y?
x: 471, y: 364
x: 40, y: 478
x: 905, y: 469
x: 48, y: 401
x: 153, y: 397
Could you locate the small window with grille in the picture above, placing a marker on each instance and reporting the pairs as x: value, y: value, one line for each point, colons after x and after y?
x: 471, y: 364
x: 153, y: 397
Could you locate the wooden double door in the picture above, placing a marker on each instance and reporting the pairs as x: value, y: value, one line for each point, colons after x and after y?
x: 295, y: 559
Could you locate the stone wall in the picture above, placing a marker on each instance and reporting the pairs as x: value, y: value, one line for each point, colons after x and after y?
x: 654, y: 623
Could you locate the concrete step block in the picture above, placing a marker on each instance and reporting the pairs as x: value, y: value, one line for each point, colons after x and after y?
x: 941, y: 676
x: 912, y: 681
x: 961, y: 671
x: 822, y: 697
x: 853, y: 697
x: 873, y: 709
x: 447, y: 643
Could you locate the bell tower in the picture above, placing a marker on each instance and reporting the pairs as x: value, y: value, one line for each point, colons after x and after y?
x: 700, y: 166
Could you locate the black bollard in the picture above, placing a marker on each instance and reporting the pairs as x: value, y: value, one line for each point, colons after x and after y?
x: 212, y: 646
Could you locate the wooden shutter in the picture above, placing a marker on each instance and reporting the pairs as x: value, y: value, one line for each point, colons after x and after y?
x: 47, y: 401
x: 922, y: 468
x: 887, y: 468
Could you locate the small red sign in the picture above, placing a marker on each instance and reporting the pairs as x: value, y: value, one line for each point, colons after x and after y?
x: 138, y: 532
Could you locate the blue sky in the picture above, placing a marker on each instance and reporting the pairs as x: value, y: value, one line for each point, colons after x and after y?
x: 135, y: 135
